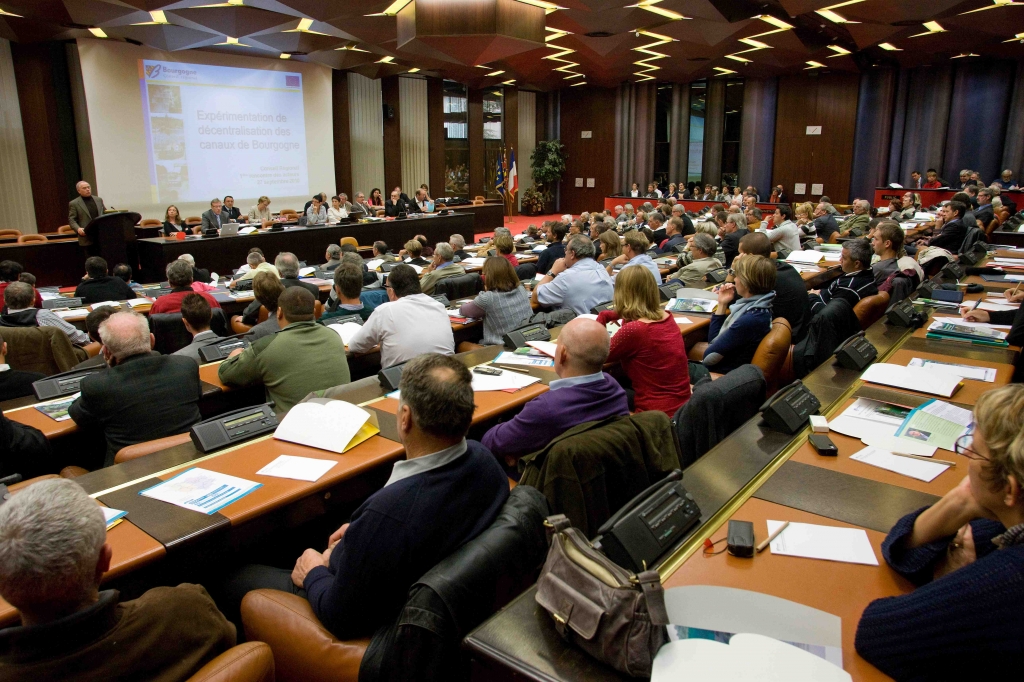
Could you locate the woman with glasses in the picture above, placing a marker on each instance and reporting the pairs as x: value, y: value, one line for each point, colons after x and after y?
x: 965, y: 553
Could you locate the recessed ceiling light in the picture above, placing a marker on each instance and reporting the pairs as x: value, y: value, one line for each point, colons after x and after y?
x: 890, y: 47
x: 5, y: 13
x: 811, y: 64
x: 778, y: 23
x: 98, y: 32
x: 414, y: 69
x: 392, y: 9
x: 494, y: 73
x: 723, y: 71
x: 578, y: 84
x: 967, y: 54
x: 385, y: 60
x: 932, y: 26
x: 839, y: 51
x: 548, y: 7
x: 995, y: 4
x: 651, y: 6
x: 285, y: 55
x: 736, y: 57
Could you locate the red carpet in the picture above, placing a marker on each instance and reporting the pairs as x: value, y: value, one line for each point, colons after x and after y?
x: 520, y: 222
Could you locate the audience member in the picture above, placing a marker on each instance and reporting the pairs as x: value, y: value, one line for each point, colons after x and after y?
x: 15, y: 383
x: 413, y: 252
x: 611, y: 247
x: 53, y: 554
x: 575, y: 281
x: 732, y: 230
x: 381, y: 250
x: 458, y: 244
x: 784, y: 234
x: 857, y: 280
x: 99, y: 286
x: 348, y: 284
x: 409, y: 324
x: 824, y: 224
x: 744, y: 315
x: 790, y: 292
x: 144, y: 395
x: 503, y: 304
x: 649, y: 345
x: 634, y: 252
x: 18, y: 312
x: 196, y: 314
x: 441, y: 267
x: 857, y: 224
x: 582, y: 393
x: 556, y: 232
x: 674, y: 236
x: 10, y: 271
x: 92, y: 327
x: 965, y: 554
x: 287, y: 266
x: 267, y: 288
x: 254, y: 262
x: 702, y: 250
x: 887, y: 244
x: 281, y: 361
x: 984, y: 213
x: 506, y: 248
x: 179, y: 276
x: 123, y: 272
x: 333, y: 256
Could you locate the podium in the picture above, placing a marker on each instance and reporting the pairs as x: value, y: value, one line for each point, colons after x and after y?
x: 113, y: 235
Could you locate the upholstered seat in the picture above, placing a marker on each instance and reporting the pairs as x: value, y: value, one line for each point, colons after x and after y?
x: 871, y: 308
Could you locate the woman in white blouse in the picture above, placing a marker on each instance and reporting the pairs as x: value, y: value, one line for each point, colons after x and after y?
x: 336, y: 212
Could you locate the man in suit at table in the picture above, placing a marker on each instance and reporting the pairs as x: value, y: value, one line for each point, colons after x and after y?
x: 915, y: 180
x: 361, y: 205
x: 82, y: 210
x: 215, y: 217
x: 395, y: 205
x: 984, y: 213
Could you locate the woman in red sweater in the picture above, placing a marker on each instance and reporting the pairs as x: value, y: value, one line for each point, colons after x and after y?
x: 649, y: 345
x: 506, y: 246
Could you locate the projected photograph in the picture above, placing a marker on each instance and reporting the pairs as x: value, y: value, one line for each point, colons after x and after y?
x: 168, y: 138
x: 164, y: 99
x: 172, y: 181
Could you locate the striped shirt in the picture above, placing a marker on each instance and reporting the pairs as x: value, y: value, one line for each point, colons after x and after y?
x: 502, y: 311
x: 853, y: 286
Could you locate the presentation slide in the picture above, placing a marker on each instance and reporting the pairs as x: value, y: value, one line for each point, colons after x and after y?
x: 215, y: 125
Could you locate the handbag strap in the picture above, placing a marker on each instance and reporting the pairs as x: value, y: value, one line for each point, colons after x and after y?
x: 556, y: 524
x: 650, y: 583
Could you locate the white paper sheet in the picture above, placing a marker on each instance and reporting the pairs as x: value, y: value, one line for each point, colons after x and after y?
x: 136, y: 302
x: 307, y: 271
x: 809, y: 257
x: 906, y: 446
x: 346, y: 331
x: 297, y: 468
x: 329, y: 426
x: 811, y: 541
x: 201, y: 490
x: 747, y: 657
x: 545, y: 347
x: 912, y: 379
x: 508, y: 358
x: 914, y: 468
x: 507, y: 380
x: 113, y: 304
x: 683, y: 320
x: 112, y: 515
x: 247, y: 230
x: 998, y: 307
x: 374, y: 263
x: 65, y: 314
x: 473, y: 261
x: 963, y: 371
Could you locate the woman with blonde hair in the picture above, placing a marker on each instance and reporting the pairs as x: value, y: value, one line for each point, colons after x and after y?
x: 611, y: 245
x: 503, y: 303
x: 173, y: 222
x: 648, y: 345
x: 744, y: 314
x: 965, y: 553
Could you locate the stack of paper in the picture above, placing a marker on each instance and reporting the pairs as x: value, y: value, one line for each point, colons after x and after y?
x: 936, y: 423
x: 374, y: 263
x: 112, y: 517
x: 748, y: 657
x: 247, y: 230
x: 139, y: 302
x: 961, y: 330
x: 346, y: 331
x: 297, y: 468
x: 849, y: 545
x: 506, y: 381
x: 112, y: 304
x: 65, y: 314
x: 867, y: 417
x: 963, y: 371
x: 915, y: 468
x: 507, y: 358
x: 201, y: 490
x: 691, y: 305
x: 307, y: 271
x: 545, y: 347
x: 912, y: 379
x: 332, y: 425
x: 995, y: 306
x: 809, y: 257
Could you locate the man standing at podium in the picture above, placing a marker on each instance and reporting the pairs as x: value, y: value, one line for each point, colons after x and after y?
x: 82, y: 210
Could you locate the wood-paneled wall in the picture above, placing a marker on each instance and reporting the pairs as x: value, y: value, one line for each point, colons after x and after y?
x: 590, y: 109
x: 342, y: 141
x: 435, y: 133
x: 476, y: 143
x: 389, y: 92
x: 826, y: 100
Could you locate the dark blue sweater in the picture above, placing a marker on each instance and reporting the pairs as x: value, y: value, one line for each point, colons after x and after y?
x: 968, y: 621
x: 739, y: 342
x: 399, y: 534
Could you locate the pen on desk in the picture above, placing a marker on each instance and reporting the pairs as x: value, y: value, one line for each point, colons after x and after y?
x: 511, y: 369
x: 767, y: 541
x: 926, y: 459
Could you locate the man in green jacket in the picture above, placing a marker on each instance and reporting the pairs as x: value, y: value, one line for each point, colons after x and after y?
x: 857, y: 224
x: 302, y: 357
x: 442, y: 267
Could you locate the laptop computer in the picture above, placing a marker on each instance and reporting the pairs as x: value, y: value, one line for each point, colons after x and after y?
x: 229, y: 230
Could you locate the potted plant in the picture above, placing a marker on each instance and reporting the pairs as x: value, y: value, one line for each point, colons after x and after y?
x: 532, y: 202
x: 548, y: 162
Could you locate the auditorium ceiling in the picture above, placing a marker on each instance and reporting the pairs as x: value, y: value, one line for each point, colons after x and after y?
x: 551, y: 44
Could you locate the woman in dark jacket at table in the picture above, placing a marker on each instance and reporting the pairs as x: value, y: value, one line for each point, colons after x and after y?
x: 744, y: 314
x: 173, y: 221
x: 966, y: 555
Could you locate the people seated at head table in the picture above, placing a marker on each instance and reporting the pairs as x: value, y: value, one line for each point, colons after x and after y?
x: 582, y: 393
x: 702, y: 250
x: 281, y: 362
x: 143, y: 395
x: 931, y: 179
x: 287, y: 266
x: 412, y: 252
x: 422, y: 202
x: 18, y: 312
x: 214, y: 218
x: 732, y: 227
x: 441, y: 267
x: 229, y: 209
x: 337, y: 210
x: 856, y: 282
x: 444, y: 493
x: 348, y: 284
x: 362, y: 205
x: 10, y: 271
x: 255, y: 262
x: 173, y: 222
x: 743, y: 316
x: 333, y: 257
x: 98, y: 285
x: 610, y: 245
x: 321, y: 197
x: 395, y: 204
x: 196, y: 315
x: 556, y: 232
x: 649, y: 345
x: 504, y: 304
x: 267, y: 289
x: 408, y: 324
x: 53, y: 555
x: 179, y: 276
x: 634, y: 253
x: 965, y: 555
x: 506, y: 248
x: 576, y: 281
x: 316, y: 214
x: 15, y: 383
x: 376, y: 198
x: 260, y: 213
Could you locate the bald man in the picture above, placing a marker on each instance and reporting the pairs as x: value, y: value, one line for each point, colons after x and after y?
x: 82, y: 210
x: 582, y: 393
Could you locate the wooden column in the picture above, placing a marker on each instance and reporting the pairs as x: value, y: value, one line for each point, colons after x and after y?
x: 476, y: 143
x: 342, y: 139
x: 435, y: 128
x: 392, y: 138
x: 512, y: 132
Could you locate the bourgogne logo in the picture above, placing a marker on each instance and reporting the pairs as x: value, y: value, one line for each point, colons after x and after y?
x: 152, y: 70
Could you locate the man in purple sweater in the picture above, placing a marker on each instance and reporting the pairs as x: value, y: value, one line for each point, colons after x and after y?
x: 582, y: 393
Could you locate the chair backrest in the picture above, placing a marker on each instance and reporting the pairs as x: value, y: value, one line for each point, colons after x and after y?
x: 193, y: 220
x: 39, y: 349
x: 247, y: 662
x: 349, y: 240
x: 318, y: 310
x: 150, y: 222
x: 932, y: 267
x: 127, y: 454
x: 871, y: 308
x: 526, y: 271
x: 65, y: 229
x: 10, y: 233
x: 478, y: 198
x: 239, y: 327
x: 288, y: 211
x: 374, y: 297
x: 31, y: 238
x: 169, y: 331
x: 458, y: 287
x: 772, y: 351
x: 992, y: 225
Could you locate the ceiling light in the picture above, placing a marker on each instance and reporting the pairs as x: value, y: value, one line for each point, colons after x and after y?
x: 755, y: 43
x: 573, y: 75
x: 5, y: 13
x: 304, y: 25
x: 228, y: 40
x: 994, y: 5
x: 736, y: 57
x: 557, y: 56
x: 962, y: 55
x: 392, y: 9
x: 494, y: 73
x: 548, y: 7
x: 98, y: 32
x: 778, y: 23
x: 285, y: 55
x: 385, y: 60
x: 414, y: 69
x: 722, y: 71
x: 1018, y: 37
x: 650, y: 6
x: 831, y: 16
x: 839, y: 51
x: 350, y: 48
x: 577, y: 84
x: 510, y: 81
x: 158, y: 17
x: 932, y: 26
x: 814, y: 65
x: 483, y: 66
x: 890, y: 47
x: 556, y: 33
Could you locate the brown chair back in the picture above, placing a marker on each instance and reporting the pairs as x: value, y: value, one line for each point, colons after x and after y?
x: 237, y: 326
x: 10, y: 233
x: 871, y: 308
x: 150, y: 222
x: 349, y: 240
x: 833, y: 238
x: 248, y: 662
x: 32, y: 239
x: 39, y: 349
x: 318, y: 310
x: 130, y: 452
x: 771, y: 352
x: 992, y: 225
x: 194, y: 220
x: 288, y: 211
x: 65, y: 229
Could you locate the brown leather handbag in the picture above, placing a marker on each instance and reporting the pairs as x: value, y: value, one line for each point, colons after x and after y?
x: 615, y: 616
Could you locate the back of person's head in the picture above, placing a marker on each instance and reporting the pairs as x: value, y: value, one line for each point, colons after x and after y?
x: 890, y: 231
x: 19, y: 296
x: 958, y: 207
x: 254, y: 259
x: 123, y: 271
x: 345, y: 248
x: 721, y: 216
x: 637, y: 241
x: 706, y: 227
x: 196, y: 311
x: 502, y: 230
x: 179, y: 274
x: 354, y: 259
x: 444, y: 252
x: 581, y: 246
x: 499, y: 275
x: 859, y: 250
x: 9, y: 270
x: 258, y: 250
x: 637, y: 296
x: 504, y: 243
x: 334, y: 251
x: 97, y: 317
x: 28, y: 278
x: 125, y: 335
x: 739, y: 221
x: 756, y: 244
x: 963, y: 197
x: 586, y: 342
x: 287, y: 265
x: 188, y: 258
x: 51, y: 537
x: 296, y: 304
x: 704, y: 243
x: 611, y: 245
x: 267, y: 289
x: 413, y: 248
x: 404, y: 281
x: 381, y: 247
x: 559, y: 230
x: 95, y: 267
x: 423, y: 240
x: 438, y: 390
x: 757, y: 273
x: 999, y: 416
x: 755, y: 212
x: 348, y: 278
x: 457, y: 241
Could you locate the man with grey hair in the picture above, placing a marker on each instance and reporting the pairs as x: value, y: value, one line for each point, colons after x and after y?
x: 732, y: 231
x: 287, y: 266
x: 53, y: 555
x: 575, y: 281
x: 179, y: 276
x: 143, y: 395
x: 856, y: 282
x: 458, y: 244
x: 626, y: 214
x: 441, y: 267
x: 82, y: 210
x: 857, y: 224
x: 679, y: 211
x: 333, y: 256
x: 255, y: 263
x: 1006, y: 180
x: 361, y: 205
x: 702, y: 249
x: 19, y: 311
x: 984, y: 213
x: 198, y: 274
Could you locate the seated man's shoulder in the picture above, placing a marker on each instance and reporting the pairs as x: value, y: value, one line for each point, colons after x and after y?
x: 186, y: 599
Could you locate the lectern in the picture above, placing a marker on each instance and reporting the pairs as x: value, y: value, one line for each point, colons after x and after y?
x: 114, y: 236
